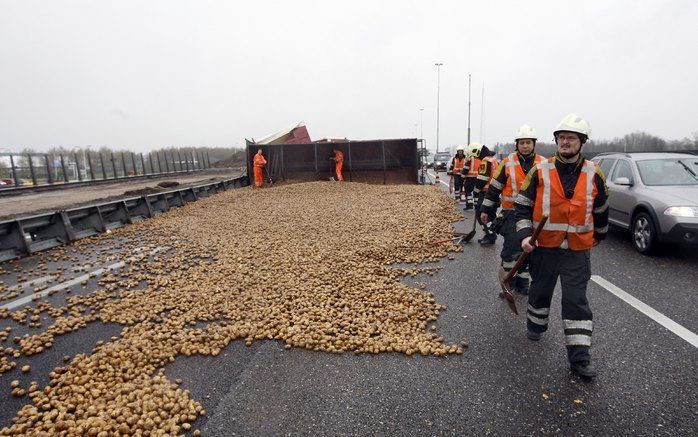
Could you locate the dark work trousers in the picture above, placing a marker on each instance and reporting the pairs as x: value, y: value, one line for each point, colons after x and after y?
x: 469, y: 186
x: 512, y: 249
x: 487, y: 228
x: 457, y: 185
x: 574, y: 269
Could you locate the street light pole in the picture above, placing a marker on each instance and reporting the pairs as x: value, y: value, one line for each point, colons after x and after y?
x: 438, y: 85
x: 421, y: 123
x: 468, y: 108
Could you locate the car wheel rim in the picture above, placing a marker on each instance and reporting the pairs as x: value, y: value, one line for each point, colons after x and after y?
x: 642, y: 233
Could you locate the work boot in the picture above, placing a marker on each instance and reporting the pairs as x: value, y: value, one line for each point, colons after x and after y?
x: 532, y: 335
x: 468, y: 207
x: 487, y: 240
x: 521, y: 285
x: 584, y: 370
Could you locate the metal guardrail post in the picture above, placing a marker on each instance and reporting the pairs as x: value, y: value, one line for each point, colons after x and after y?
x: 14, y: 171
x: 104, y: 167
x: 113, y: 164
x: 65, y: 172
x: 89, y: 162
x: 77, y: 166
x: 48, y: 169
x: 208, y: 159
x: 133, y: 161
x: 167, y: 165
x: 157, y: 154
x: 123, y: 164
x: 174, y: 163
x: 31, y: 169
x: 144, y: 171
x: 186, y: 161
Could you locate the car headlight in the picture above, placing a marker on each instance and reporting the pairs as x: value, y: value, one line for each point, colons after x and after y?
x: 682, y: 211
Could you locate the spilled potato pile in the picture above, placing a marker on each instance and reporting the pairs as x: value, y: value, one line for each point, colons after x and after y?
x: 306, y: 264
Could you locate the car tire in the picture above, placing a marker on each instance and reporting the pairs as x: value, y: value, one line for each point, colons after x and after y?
x: 644, y: 234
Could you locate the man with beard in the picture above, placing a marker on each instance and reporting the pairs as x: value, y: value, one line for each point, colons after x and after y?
x: 572, y: 192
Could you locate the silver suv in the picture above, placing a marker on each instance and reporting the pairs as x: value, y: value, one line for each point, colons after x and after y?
x: 654, y: 195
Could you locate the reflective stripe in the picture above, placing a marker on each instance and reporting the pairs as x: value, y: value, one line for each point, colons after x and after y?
x: 539, y: 311
x: 523, y: 224
x: 536, y: 320
x: 578, y: 324
x: 507, y: 198
x: 545, y: 174
x: 565, y: 227
x: 508, y: 265
x: 577, y: 340
x: 483, y: 177
x: 495, y: 183
x: 601, y: 230
x: 601, y: 208
x: 590, y: 170
x: 523, y: 275
x: 512, y: 164
x: 523, y: 200
x: 476, y: 190
x: 487, y: 202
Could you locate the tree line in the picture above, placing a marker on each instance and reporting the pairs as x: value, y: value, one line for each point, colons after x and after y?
x: 634, y: 142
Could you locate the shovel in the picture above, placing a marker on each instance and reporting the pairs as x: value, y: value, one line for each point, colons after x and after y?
x: 269, y: 176
x: 469, y: 236
x: 456, y: 239
x: 504, y: 277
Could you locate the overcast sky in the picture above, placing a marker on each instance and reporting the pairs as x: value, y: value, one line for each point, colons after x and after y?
x: 146, y: 74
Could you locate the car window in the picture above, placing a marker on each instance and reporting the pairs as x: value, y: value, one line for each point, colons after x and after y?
x: 668, y: 171
x: 605, y: 165
x: 622, y: 170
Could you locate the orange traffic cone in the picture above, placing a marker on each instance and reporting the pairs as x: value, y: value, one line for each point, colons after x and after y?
x: 437, y: 179
x: 462, y: 195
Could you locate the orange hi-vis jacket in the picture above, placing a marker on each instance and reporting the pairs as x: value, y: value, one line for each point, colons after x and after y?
x: 493, y: 168
x: 515, y: 177
x: 458, y: 164
x: 259, y: 160
x: 474, y: 167
x: 569, y: 219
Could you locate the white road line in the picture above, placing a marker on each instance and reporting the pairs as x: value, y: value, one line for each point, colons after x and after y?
x: 439, y: 179
x: 32, y: 283
x: 648, y: 311
x: 63, y: 285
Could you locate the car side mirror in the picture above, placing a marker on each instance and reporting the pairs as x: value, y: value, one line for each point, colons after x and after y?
x: 623, y: 181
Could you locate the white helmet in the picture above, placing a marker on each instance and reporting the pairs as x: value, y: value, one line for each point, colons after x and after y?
x: 460, y: 149
x: 525, y: 131
x: 473, y: 149
x: 574, y: 123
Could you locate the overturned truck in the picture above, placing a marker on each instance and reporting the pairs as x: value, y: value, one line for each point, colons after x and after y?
x: 374, y: 161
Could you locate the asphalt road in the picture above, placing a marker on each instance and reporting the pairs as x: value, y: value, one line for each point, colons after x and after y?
x: 503, y: 384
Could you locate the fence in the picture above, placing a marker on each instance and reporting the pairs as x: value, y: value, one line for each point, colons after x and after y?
x: 18, y: 170
x: 26, y: 235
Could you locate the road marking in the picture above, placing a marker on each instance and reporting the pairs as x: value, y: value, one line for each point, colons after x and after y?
x: 439, y: 179
x: 32, y: 283
x: 63, y: 285
x: 648, y: 311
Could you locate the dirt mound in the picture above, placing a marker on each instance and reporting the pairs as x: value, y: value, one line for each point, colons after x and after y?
x: 237, y: 159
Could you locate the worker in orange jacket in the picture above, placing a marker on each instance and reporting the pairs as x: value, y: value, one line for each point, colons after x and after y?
x: 338, y: 163
x: 258, y: 164
x: 572, y: 192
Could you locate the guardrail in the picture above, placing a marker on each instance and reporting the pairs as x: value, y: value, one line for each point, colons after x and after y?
x: 27, y: 235
x: 20, y: 172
